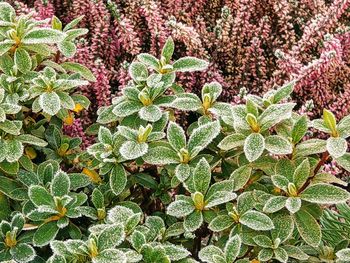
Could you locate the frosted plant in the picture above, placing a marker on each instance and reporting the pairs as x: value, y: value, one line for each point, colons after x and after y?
x: 241, y: 183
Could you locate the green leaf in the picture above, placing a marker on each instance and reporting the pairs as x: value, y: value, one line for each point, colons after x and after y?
x: 324, y: 194
x: 138, y: 239
x: 263, y: 241
x: 150, y: 113
x: 186, y: 102
x: 202, y: 136
x: 45, y: 233
x: 284, y: 226
x: 110, y: 237
x: 219, y: 197
x: 241, y: 176
x: 308, y: 228
x: 220, y: 223
x: 256, y: 220
x: 202, y: 176
x: 30, y: 139
x: 208, y: 252
x: 265, y: 254
x: 60, y: 184
x: 7, y: 12
x: 176, y: 252
x: 232, y: 141
x: 293, y: 204
x: 14, y: 150
x: 274, y: 114
x: 180, y: 208
x: 5, y: 46
x: 97, y: 198
x: 176, y: 136
x: 43, y: 36
x: 50, y: 103
x: 168, y: 49
x: 188, y: 64
x: 131, y: 150
x: 118, y: 179
x: 232, y: 248
x: 295, y: 252
x: 193, y: 221
x: 161, y: 155
x: 10, y: 127
x: 40, y: 196
x: 281, y: 255
x: 23, y: 252
x: 274, y: 204
x: 329, y: 120
x: 146, y: 180
x: 343, y: 127
x: 301, y: 174
x: 299, y: 129
x: 22, y: 60
x: 138, y: 71
x: 254, y: 146
x: 67, y: 48
x: 336, y: 146
x: 344, y: 161
x: 126, y: 108
x: 278, y: 145
x: 283, y: 92
x: 312, y: 146
x: 148, y: 60
x: 78, y: 68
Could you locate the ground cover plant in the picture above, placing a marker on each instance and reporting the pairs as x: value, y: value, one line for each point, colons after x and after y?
x: 243, y: 182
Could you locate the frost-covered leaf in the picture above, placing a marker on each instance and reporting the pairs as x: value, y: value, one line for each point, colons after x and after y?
x: 283, y: 92
x: 149, y: 60
x: 45, y: 233
x: 325, y: 194
x: 202, y: 176
x: 219, y: 197
x: 43, y: 36
x: 23, y: 253
x: 281, y: 255
x: 188, y: 64
x: 232, y: 248
x: 193, y: 221
x: 295, y: 252
x: 7, y: 12
x: 344, y: 254
x: 137, y: 240
x: 131, y: 150
x: 40, y: 196
x: 60, y: 184
x: 50, y: 103
x: 168, y: 49
x: 176, y: 252
x: 30, y: 139
x: 344, y: 161
x: 138, y: 71
x: 265, y: 254
x: 299, y: 129
x: 278, y: 145
x: 110, y: 255
x: 126, y: 108
x: 14, y: 150
x: 22, y: 60
x: 336, y: 146
x: 256, y: 220
x: 180, y: 208
x: 207, y: 253
x: 176, y: 136
x: 263, y: 241
x: 110, y: 237
x: 274, y: 204
x: 150, y: 113
x: 67, y: 48
x: 118, y: 179
x: 220, y: 223
x: 274, y: 114
x: 241, y: 176
x: 161, y: 155
x: 343, y: 127
x: 182, y: 172
x: 232, y: 141
x: 308, y: 228
x: 5, y: 46
x: 301, y: 174
x: 78, y: 68
x: 186, y: 102
x: 254, y: 146
x: 293, y: 204
x: 202, y: 136
x: 312, y: 146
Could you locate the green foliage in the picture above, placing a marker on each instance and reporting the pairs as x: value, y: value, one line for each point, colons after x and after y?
x: 241, y: 183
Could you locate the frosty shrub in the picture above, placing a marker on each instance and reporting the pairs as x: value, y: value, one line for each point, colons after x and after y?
x: 242, y: 183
